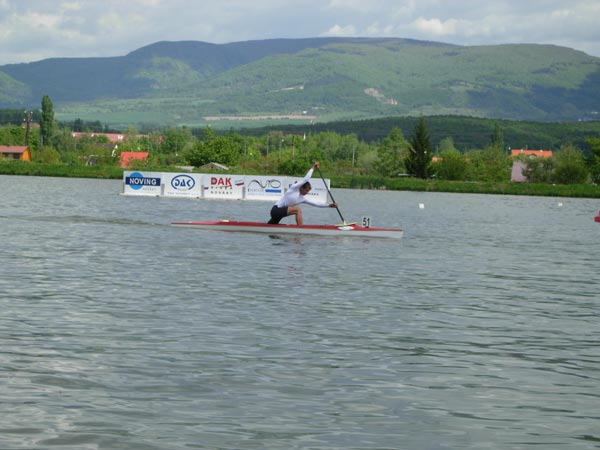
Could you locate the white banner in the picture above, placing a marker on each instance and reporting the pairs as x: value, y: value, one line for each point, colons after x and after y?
x: 234, y: 187
x: 223, y: 186
x: 142, y: 183
x: 182, y: 185
x: 264, y: 187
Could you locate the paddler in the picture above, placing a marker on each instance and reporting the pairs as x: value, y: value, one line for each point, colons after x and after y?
x: 288, y: 205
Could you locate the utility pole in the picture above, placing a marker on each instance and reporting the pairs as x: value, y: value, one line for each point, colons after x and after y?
x: 27, y: 122
x: 293, y: 148
x: 268, y: 150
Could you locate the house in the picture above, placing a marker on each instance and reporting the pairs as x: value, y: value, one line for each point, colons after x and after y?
x: 21, y: 153
x: 526, y: 152
x: 214, y: 165
x: 128, y: 158
x: 517, y: 170
x: 519, y: 166
x: 112, y: 137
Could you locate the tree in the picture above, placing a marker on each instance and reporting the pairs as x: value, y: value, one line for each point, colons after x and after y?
x: 451, y: 165
x: 47, y: 122
x: 538, y: 170
x: 177, y: 140
x: 292, y: 167
x: 418, y: 161
x: 349, y: 146
x: 316, y: 147
x: 490, y: 164
x: 11, y: 135
x: 78, y: 125
x: 391, y: 154
x: 594, y: 159
x: 497, y: 138
x: 47, y: 155
x: 570, y: 167
x: 446, y: 144
x: 222, y: 149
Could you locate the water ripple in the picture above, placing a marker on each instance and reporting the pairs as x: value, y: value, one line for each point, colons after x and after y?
x: 119, y: 331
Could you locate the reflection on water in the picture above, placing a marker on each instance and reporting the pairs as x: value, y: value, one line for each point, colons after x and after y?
x: 477, y: 330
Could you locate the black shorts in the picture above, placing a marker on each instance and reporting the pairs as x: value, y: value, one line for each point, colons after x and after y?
x: 278, y: 213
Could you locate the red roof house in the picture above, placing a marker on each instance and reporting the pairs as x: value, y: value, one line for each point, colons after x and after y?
x: 128, y: 158
x: 526, y: 152
x: 519, y: 166
x: 18, y: 152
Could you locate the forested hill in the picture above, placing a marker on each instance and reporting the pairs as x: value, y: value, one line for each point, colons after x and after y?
x: 467, y: 133
x: 319, y: 80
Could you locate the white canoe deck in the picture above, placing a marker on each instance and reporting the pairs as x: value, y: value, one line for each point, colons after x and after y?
x: 352, y: 230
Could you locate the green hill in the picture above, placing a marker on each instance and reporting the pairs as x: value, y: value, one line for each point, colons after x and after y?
x: 311, y: 80
x: 467, y: 133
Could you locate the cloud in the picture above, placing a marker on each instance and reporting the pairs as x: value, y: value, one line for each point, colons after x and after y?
x: 36, y: 29
x: 337, y: 30
x: 436, y: 27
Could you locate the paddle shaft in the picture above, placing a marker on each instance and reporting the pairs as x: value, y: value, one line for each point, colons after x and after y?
x: 329, y: 192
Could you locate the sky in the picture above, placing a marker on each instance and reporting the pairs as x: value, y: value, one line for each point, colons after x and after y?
x: 32, y: 30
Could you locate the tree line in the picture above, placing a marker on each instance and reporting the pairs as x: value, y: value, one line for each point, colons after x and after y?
x: 289, y: 153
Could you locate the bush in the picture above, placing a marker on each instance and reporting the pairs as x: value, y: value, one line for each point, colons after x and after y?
x: 451, y: 165
x: 570, y: 166
x: 539, y: 170
x: 46, y: 155
x: 490, y: 164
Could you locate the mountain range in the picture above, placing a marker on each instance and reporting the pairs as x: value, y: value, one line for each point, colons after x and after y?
x: 317, y: 79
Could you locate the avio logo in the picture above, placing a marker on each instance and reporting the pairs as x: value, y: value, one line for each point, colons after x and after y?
x: 183, y: 183
x: 137, y: 181
x: 270, y: 186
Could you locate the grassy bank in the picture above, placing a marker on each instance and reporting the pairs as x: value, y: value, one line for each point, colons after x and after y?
x: 352, y: 182
x: 497, y: 187
x: 59, y: 170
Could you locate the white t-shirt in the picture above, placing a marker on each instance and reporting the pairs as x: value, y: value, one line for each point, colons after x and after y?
x: 293, y: 197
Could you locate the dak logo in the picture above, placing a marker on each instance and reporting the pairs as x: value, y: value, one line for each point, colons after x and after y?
x: 221, y: 182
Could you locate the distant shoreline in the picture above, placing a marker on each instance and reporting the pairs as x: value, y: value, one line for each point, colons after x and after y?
x: 337, y: 181
x: 269, y: 117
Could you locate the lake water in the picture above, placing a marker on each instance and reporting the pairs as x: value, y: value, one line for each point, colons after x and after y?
x: 478, y: 330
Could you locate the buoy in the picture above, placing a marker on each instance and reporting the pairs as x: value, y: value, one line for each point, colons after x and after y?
x: 597, y: 218
x: 421, y: 206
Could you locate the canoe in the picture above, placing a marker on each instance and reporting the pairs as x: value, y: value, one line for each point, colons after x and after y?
x: 351, y: 230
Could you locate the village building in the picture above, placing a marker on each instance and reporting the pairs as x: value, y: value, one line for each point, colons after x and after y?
x: 18, y: 152
x: 214, y: 165
x: 130, y: 158
x: 526, y: 152
x: 519, y: 166
x: 112, y: 137
x: 127, y: 159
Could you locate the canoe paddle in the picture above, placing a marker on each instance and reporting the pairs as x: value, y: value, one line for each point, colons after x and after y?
x: 332, y: 199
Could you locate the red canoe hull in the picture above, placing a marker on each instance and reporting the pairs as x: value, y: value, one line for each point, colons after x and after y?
x: 320, y: 230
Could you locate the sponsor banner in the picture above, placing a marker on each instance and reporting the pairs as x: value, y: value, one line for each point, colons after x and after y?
x: 269, y: 188
x: 223, y: 186
x: 318, y: 191
x: 142, y: 183
x: 235, y: 187
x: 182, y: 184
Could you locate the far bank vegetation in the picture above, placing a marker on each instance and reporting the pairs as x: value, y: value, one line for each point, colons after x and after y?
x: 379, y: 163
